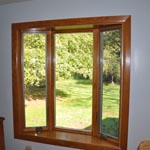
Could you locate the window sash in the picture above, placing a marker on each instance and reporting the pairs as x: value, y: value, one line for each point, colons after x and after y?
x: 106, y: 134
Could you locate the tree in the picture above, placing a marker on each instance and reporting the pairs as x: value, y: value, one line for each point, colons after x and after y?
x: 34, y: 59
x: 111, y: 54
x: 74, y: 56
x: 74, y: 52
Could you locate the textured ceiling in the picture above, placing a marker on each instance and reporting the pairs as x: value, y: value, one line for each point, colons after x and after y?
x: 2, y: 2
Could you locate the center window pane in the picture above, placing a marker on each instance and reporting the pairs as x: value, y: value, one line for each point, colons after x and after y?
x: 73, y: 80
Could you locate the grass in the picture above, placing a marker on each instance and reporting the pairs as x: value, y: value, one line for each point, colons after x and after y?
x: 35, y: 115
x: 74, y: 106
x: 74, y: 111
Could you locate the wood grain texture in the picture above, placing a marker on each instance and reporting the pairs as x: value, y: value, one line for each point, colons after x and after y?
x: 81, y: 141
x: 125, y: 83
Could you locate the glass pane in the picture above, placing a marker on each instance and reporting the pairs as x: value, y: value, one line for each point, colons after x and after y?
x: 73, y: 85
x: 110, y: 96
x: 34, y: 79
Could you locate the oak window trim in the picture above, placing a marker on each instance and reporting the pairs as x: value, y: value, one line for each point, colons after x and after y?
x: 28, y: 134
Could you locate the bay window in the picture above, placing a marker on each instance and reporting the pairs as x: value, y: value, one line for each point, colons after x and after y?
x: 71, y: 82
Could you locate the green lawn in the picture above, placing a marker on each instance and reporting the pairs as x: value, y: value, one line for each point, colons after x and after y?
x: 74, y: 109
x: 74, y: 106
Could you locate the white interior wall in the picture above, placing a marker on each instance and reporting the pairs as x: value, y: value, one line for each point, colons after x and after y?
x: 139, y: 120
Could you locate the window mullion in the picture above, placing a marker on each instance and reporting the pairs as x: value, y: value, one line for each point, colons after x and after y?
x: 96, y: 82
x: 50, y: 80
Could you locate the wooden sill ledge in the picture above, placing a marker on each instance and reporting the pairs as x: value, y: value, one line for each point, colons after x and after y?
x: 72, y: 140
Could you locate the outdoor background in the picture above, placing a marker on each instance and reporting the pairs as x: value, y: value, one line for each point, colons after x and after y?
x: 73, y: 80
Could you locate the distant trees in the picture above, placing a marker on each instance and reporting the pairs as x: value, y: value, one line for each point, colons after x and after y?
x: 74, y: 55
x: 111, y: 54
x: 34, y: 59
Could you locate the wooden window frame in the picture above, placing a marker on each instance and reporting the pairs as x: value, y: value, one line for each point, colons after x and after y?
x: 62, y: 137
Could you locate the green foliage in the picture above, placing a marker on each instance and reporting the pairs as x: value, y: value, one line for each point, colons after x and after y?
x: 110, y: 126
x: 34, y: 59
x: 111, y: 54
x: 74, y: 56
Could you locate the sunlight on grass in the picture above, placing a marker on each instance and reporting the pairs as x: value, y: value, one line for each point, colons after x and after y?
x: 74, y: 105
x: 110, y: 110
x: 35, y: 115
x: 111, y: 100
x: 75, y: 110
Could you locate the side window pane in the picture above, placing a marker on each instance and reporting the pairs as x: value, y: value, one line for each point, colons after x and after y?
x: 73, y: 75
x: 110, y: 82
x: 34, y: 65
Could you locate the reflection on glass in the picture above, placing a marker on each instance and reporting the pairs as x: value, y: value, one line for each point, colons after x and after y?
x: 73, y: 85
x: 34, y: 49
x: 110, y: 94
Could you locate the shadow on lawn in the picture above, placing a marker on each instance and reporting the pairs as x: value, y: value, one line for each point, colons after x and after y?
x: 84, y: 82
x: 61, y: 93
x: 40, y: 92
x: 109, y: 127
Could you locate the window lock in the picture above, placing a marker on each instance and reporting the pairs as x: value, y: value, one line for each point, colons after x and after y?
x: 38, y: 130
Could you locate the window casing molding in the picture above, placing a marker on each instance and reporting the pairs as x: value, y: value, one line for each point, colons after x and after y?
x: 62, y: 137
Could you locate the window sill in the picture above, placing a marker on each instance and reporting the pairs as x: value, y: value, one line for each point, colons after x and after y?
x: 73, y: 140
